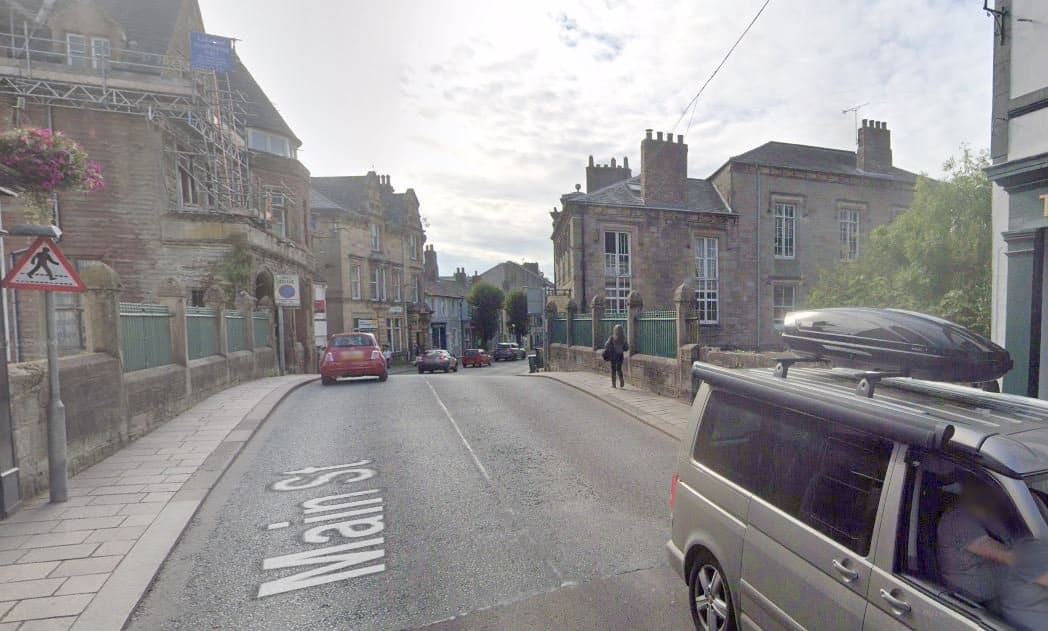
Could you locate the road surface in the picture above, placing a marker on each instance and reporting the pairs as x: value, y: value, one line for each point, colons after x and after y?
x: 479, y: 500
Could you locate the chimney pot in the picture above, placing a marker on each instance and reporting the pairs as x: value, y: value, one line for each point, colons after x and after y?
x: 658, y: 135
x: 865, y: 122
x: 591, y: 161
x: 669, y: 136
x: 625, y: 162
x: 613, y: 163
x: 680, y: 138
x: 648, y: 133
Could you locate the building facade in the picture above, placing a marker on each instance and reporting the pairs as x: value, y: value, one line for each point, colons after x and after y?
x: 370, y: 244
x: 446, y: 299
x: 1019, y: 171
x: 752, y: 238
x: 188, y: 183
x: 510, y: 276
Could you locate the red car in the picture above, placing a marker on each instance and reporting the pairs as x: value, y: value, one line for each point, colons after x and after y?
x: 475, y: 357
x: 352, y: 355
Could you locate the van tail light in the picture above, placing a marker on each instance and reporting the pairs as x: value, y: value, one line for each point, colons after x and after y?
x: 376, y: 354
x: 329, y: 357
x: 673, y: 489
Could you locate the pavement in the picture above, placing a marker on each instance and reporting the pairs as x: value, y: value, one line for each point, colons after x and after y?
x: 83, y: 564
x: 480, y: 499
x: 667, y: 415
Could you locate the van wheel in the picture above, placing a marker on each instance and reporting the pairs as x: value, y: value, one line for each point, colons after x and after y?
x: 710, y: 597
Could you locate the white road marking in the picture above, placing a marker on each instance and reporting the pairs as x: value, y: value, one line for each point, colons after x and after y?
x: 278, y: 525
x: 476, y: 460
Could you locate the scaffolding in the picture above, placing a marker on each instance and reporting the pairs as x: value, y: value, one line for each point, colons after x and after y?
x: 199, y: 112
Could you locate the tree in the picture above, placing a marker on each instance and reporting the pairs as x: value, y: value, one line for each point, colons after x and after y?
x: 517, y: 311
x: 236, y: 268
x: 486, y: 300
x: 934, y: 258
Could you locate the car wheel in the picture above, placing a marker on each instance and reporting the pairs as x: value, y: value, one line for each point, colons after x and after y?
x: 383, y: 376
x: 327, y: 381
x: 710, y: 596
x: 455, y: 369
x: 420, y: 371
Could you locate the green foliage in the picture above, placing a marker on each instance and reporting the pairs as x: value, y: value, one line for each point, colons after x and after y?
x: 486, y: 300
x: 935, y: 258
x: 237, y: 267
x: 516, y: 307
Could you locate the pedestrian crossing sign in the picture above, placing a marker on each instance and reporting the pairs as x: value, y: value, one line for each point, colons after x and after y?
x: 45, y: 268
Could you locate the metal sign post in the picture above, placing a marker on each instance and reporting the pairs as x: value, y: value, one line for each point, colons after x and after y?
x: 44, y: 268
x: 287, y: 295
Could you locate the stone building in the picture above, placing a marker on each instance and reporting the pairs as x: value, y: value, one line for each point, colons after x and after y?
x: 369, y: 243
x: 509, y: 276
x: 752, y: 238
x: 446, y: 297
x: 1019, y: 154
x: 199, y: 164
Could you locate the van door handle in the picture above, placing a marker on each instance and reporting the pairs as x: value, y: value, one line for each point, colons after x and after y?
x: 846, y: 572
x: 899, y: 607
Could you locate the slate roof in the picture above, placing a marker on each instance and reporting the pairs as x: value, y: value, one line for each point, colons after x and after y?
x: 446, y: 287
x: 260, y: 111
x: 809, y: 158
x: 317, y: 201
x: 346, y: 191
x: 701, y: 196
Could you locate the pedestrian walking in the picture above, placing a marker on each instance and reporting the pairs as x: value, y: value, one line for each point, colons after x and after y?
x: 615, y: 351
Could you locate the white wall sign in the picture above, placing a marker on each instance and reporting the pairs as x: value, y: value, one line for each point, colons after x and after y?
x: 287, y: 294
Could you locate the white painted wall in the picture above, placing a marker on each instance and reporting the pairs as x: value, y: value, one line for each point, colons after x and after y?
x: 1028, y: 134
x: 1029, y: 46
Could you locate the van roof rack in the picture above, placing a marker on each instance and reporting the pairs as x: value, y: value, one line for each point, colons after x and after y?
x: 867, y: 379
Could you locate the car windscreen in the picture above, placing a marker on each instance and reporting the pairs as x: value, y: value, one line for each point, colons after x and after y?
x: 343, y: 341
x: 503, y: 345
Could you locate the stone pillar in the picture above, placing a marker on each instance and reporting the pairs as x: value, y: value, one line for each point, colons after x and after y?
x: 215, y: 299
x: 573, y: 308
x: 597, y: 311
x: 684, y: 302
x: 246, y: 306
x: 173, y: 296
x: 102, y: 311
x: 266, y: 304
x: 636, y: 305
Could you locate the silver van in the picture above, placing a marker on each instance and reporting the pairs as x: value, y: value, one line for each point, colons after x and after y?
x: 799, y: 504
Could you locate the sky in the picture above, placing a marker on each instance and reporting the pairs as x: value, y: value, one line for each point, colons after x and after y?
x: 490, y: 109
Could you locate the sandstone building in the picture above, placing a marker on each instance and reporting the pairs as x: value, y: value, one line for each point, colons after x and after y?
x: 370, y: 247
x: 752, y: 237
x: 197, y: 162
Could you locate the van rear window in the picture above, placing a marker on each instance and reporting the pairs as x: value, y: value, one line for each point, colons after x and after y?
x: 824, y: 474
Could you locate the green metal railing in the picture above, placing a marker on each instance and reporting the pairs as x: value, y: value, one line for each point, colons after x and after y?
x: 608, y: 322
x: 657, y: 333
x: 236, y: 340
x: 559, y: 332
x: 201, y: 332
x: 582, y: 329
x: 260, y: 320
x: 146, y: 335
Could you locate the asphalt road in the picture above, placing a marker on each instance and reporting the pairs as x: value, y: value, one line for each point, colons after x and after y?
x: 480, y: 500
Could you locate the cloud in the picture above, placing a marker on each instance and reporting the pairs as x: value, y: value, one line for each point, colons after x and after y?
x: 489, y: 110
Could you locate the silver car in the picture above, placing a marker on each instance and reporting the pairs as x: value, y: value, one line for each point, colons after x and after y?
x: 799, y: 504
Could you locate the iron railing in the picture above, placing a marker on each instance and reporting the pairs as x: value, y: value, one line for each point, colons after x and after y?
x: 146, y: 335
x: 236, y: 339
x: 582, y: 329
x: 559, y: 330
x: 201, y: 332
x: 608, y: 322
x: 657, y: 333
x: 260, y: 320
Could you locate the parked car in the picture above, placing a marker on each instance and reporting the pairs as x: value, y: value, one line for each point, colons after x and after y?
x: 506, y: 351
x: 437, y: 360
x: 475, y: 357
x: 352, y: 355
x: 800, y: 502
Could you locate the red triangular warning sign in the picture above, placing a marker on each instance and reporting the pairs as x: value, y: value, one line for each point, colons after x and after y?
x: 44, y: 267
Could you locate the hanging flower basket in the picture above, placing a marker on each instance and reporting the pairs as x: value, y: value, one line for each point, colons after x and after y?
x: 46, y: 162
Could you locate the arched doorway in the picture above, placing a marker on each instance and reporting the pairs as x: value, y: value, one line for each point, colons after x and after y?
x: 264, y: 285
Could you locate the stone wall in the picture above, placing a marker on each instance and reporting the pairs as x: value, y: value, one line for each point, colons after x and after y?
x: 107, y: 408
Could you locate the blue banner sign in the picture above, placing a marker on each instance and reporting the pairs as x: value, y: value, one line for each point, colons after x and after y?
x: 210, y: 52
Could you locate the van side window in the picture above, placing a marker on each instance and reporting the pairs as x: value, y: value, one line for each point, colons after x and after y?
x: 728, y: 437
x: 826, y: 475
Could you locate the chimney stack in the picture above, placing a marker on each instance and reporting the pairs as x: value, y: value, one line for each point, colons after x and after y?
x: 430, y: 271
x: 873, y: 152
x: 663, y: 170
x: 600, y: 175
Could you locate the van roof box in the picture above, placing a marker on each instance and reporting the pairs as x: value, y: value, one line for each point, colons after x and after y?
x: 890, y: 343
